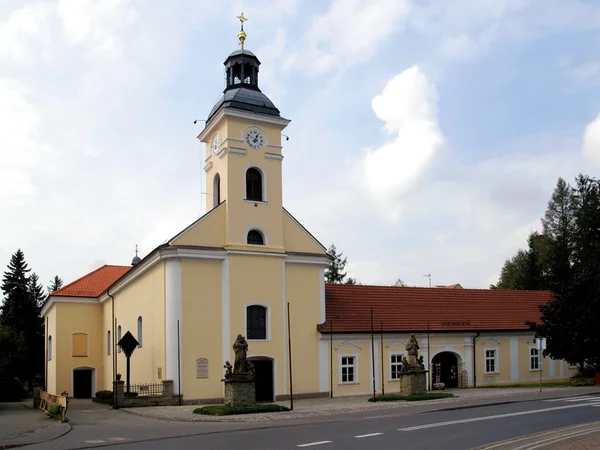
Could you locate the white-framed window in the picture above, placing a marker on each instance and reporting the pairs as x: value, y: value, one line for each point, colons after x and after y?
x: 118, y: 339
x: 255, y: 237
x: 534, y: 358
x: 395, y: 365
x: 49, y: 348
x: 491, y: 360
x: 257, y: 325
x: 139, y: 331
x: 348, y: 369
x: 108, y: 342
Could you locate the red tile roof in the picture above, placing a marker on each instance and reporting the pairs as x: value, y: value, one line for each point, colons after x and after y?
x: 94, y: 283
x: 348, y: 308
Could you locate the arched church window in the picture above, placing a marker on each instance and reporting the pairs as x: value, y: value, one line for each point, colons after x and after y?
x: 255, y: 237
x: 139, y: 331
x: 108, y: 342
x: 119, y: 338
x: 256, y: 322
x: 49, y: 348
x: 254, y: 190
x: 217, y: 191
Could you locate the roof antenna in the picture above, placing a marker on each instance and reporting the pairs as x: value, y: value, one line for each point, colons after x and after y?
x: 428, y: 275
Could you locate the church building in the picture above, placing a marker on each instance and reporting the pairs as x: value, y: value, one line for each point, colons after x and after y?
x: 249, y: 267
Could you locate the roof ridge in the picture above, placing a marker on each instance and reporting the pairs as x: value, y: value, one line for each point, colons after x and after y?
x: 355, y: 286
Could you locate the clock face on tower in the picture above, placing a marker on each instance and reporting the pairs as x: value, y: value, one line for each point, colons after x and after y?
x: 254, y: 139
x: 215, y: 144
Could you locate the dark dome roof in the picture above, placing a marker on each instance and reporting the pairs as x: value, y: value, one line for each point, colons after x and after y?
x: 246, y: 99
x: 136, y: 259
x: 242, y: 52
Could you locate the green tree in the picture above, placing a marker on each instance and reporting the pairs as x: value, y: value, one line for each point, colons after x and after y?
x: 569, y: 320
x: 335, y: 272
x: 399, y: 283
x: 20, y: 317
x: 351, y: 280
x: 55, y: 284
x: 11, y: 359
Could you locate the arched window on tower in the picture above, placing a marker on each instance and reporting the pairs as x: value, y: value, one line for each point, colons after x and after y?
x: 254, y: 190
x: 255, y: 237
x: 217, y: 191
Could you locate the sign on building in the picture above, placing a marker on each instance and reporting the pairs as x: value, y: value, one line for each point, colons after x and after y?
x: 202, y: 368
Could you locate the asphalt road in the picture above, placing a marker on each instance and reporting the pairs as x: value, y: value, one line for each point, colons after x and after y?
x: 449, y: 430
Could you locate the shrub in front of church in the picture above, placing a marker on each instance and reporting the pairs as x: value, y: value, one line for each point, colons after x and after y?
x: 105, y: 397
x: 225, y: 410
x: 411, y: 397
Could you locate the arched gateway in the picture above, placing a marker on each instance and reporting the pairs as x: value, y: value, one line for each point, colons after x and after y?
x: 444, y: 367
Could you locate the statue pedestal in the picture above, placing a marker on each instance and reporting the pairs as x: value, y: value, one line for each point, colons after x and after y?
x: 413, y: 381
x: 240, y: 391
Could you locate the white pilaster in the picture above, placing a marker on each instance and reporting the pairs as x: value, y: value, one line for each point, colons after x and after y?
x: 426, y: 357
x: 225, y: 313
x: 322, y: 293
x: 172, y: 318
x: 285, y: 339
x: 514, y: 358
x: 377, y: 365
x: 323, y: 366
x: 469, y: 360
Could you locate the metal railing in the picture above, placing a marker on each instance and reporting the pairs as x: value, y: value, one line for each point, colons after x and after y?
x: 143, y: 389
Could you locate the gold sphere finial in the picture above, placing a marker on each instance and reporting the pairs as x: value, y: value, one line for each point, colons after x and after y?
x: 242, y: 33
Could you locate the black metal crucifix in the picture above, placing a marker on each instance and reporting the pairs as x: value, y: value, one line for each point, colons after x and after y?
x: 128, y: 344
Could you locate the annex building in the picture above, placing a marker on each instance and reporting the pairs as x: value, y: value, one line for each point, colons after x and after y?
x: 239, y: 269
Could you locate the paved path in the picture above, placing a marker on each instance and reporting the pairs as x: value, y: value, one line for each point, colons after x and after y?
x: 341, y: 405
x: 21, y: 424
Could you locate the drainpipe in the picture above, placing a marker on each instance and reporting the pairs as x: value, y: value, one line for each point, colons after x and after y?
x: 113, y: 352
x: 475, y: 360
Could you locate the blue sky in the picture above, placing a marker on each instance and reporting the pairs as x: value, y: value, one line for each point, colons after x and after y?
x: 426, y: 136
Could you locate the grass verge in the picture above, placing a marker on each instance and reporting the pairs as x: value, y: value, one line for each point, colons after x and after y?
x: 225, y: 410
x: 411, y: 397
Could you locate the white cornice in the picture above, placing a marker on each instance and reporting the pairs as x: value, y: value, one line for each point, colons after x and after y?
x: 251, y: 253
x: 59, y: 299
x: 236, y: 151
x: 322, y: 261
x: 214, y: 121
x: 273, y: 156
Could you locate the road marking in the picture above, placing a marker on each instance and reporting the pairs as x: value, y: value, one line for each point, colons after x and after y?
x: 583, y: 399
x: 310, y: 444
x: 537, y: 435
x: 116, y: 439
x: 554, y: 440
x: 368, y: 435
x: 93, y: 441
x: 496, y: 416
x: 573, y: 399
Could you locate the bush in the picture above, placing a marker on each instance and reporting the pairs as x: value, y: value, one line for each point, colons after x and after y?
x: 54, y: 412
x: 581, y: 381
x: 411, y: 397
x: 225, y: 410
x: 104, y: 397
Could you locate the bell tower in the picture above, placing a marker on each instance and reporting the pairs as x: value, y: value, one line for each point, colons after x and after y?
x: 244, y: 155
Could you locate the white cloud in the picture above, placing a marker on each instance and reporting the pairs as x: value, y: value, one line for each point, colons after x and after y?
x: 348, y: 33
x: 408, y: 106
x: 591, y: 140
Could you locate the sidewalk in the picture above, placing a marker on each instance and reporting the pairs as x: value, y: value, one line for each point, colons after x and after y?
x: 21, y: 425
x: 342, y: 405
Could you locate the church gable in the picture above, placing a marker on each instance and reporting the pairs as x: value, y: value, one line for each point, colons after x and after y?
x: 297, y: 239
x: 207, y: 231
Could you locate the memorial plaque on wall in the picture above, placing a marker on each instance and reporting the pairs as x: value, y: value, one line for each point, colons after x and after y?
x: 202, y: 368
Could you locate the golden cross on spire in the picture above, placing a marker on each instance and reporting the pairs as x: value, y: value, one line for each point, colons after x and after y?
x: 242, y: 20
x: 242, y: 33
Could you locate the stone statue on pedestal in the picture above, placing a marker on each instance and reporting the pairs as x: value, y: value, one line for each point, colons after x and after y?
x: 413, y: 380
x: 240, y: 347
x: 239, y: 378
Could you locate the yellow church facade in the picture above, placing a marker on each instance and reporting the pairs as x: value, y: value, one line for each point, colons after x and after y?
x: 249, y: 267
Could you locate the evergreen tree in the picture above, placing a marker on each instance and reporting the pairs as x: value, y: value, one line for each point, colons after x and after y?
x: 351, y: 280
x: 55, y: 284
x: 36, y: 290
x: 20, y: 317
x: 558, y: 225
x: 335, y: 272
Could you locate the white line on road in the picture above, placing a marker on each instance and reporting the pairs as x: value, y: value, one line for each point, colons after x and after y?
x: 573, y: 399
x: 554, y: 440
x: 368, y: 435
x: 537, y: 435
x: 496, y: 416
x: 310, y: 444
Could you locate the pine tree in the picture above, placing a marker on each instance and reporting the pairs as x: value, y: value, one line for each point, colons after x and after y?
x: 15, y: 286
x: 558, y: 223
x: 36, y: 290
x: 335, y: 273
x: 55, y: 284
